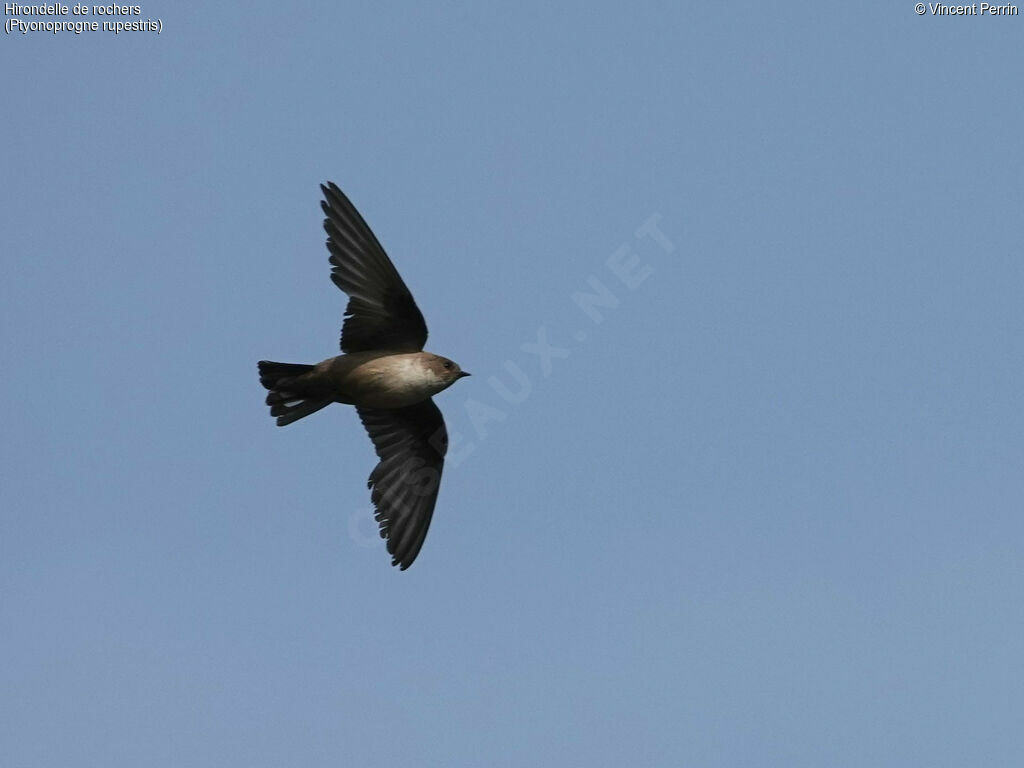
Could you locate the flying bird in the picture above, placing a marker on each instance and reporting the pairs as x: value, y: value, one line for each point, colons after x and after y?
x: 384, y: 373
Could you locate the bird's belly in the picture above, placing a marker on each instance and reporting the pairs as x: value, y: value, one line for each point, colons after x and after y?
x: 393, y: 394
x: 387, y: 382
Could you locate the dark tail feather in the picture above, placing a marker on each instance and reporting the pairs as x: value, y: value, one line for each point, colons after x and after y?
x: 271, y: 374
x: 286, y: 403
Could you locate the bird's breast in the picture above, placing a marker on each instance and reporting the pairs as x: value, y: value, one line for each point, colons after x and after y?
x: 388, y: 381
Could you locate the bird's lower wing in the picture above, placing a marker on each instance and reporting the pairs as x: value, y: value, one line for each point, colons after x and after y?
x: 411, y: 444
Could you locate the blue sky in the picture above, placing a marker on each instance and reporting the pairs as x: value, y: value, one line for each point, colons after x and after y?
x: 767, y: 511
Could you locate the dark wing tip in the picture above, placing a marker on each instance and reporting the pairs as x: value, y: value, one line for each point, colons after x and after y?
x: 332, y: 194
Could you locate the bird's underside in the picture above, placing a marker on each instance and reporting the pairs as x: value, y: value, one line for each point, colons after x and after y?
x: 384, y: 373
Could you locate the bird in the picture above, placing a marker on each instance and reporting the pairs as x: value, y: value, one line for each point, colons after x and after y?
x: 384, y: 372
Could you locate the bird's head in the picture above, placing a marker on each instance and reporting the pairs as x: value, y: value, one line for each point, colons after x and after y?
x: 447, y: 371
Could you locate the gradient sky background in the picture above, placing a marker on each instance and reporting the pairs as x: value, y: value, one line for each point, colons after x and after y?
x: 767, y: 512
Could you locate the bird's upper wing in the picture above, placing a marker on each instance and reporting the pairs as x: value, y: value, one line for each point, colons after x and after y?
x: 411, y: 443
x: 381, y: 313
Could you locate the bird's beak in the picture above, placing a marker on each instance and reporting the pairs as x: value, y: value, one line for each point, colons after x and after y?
x: 464, y: 373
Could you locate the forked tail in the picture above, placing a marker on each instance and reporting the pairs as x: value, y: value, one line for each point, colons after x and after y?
x: 286, y: 399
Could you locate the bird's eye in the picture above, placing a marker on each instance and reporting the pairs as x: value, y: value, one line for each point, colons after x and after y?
x: 448, y: 364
